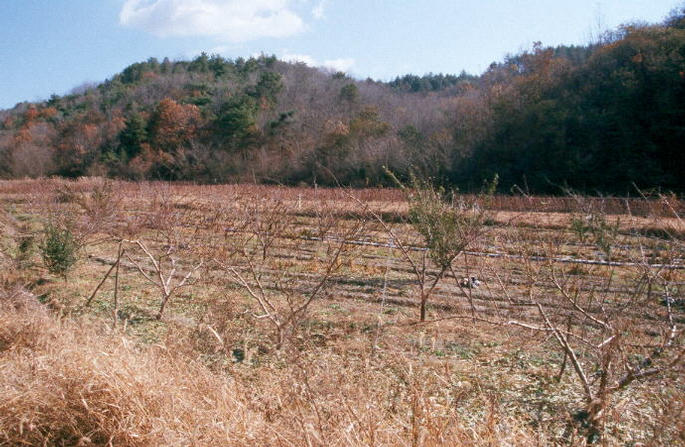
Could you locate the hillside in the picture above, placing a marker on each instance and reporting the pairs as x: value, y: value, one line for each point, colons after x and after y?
x: 600, y: 118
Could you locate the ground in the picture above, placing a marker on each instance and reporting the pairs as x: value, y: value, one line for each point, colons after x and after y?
x: 302, y: 305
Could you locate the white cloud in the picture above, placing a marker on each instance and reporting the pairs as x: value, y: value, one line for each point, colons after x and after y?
x: 308, y: 60
x: 343, y: 64
x: 318, y: 11
x: 231, y: 20
x: 339, y: 64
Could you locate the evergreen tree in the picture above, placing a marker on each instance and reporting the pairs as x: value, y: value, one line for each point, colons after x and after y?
x: 133, y: 136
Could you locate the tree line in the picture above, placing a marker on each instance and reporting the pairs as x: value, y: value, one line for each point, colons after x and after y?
x: 600, y: 118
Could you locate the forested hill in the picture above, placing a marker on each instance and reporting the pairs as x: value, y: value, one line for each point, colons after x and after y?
x: 598, y: 118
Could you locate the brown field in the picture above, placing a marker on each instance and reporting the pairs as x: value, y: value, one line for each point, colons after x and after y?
x: 292, y: 318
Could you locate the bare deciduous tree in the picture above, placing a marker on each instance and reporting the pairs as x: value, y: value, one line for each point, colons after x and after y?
x: 615, y: 324
x: 282, y: 295
x: 164, y: 272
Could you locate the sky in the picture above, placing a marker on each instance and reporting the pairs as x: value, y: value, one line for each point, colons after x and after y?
x: 54, y: 46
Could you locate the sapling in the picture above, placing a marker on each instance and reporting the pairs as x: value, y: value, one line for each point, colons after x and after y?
x: 58, y: 249
x: 447, y: 229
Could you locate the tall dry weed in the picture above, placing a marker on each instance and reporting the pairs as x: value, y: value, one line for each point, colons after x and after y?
x: 63, y: 383
x: 66, y: 382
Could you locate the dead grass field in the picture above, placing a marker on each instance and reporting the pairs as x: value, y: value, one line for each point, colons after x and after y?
x: 298, y: 322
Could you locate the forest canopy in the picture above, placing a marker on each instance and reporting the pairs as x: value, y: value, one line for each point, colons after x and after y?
x: 601, y: 118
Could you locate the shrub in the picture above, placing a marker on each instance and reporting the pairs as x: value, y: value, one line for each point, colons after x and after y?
x: 58, y: 249
x: 447, y: 227
x: 593, y: 226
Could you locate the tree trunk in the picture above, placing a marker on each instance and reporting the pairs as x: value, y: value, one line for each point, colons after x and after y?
x: 161, y: 308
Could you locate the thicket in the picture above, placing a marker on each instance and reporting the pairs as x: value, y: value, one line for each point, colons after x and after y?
x: 597, y: 118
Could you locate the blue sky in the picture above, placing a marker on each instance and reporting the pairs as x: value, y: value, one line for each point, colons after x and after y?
x: 52, y: 46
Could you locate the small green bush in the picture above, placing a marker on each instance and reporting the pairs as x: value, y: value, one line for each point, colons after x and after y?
x: 448, y: 228
x: 596, y: 228
x: 58, y: 249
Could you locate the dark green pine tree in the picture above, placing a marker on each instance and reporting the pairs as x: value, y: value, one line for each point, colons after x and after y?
x: 133, y: 136
x: 268, y: 87
x: 236, y: 124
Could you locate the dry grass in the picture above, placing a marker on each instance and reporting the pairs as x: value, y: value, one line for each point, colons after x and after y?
x: 65, y: 384
x: 658, y: 206
x: 73, y: 383
x: 359, y: 369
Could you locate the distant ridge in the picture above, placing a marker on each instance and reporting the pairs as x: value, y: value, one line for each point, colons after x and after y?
x: 600, y: 118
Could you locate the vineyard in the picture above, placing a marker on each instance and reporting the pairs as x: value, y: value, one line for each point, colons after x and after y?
x: 265, y: 315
